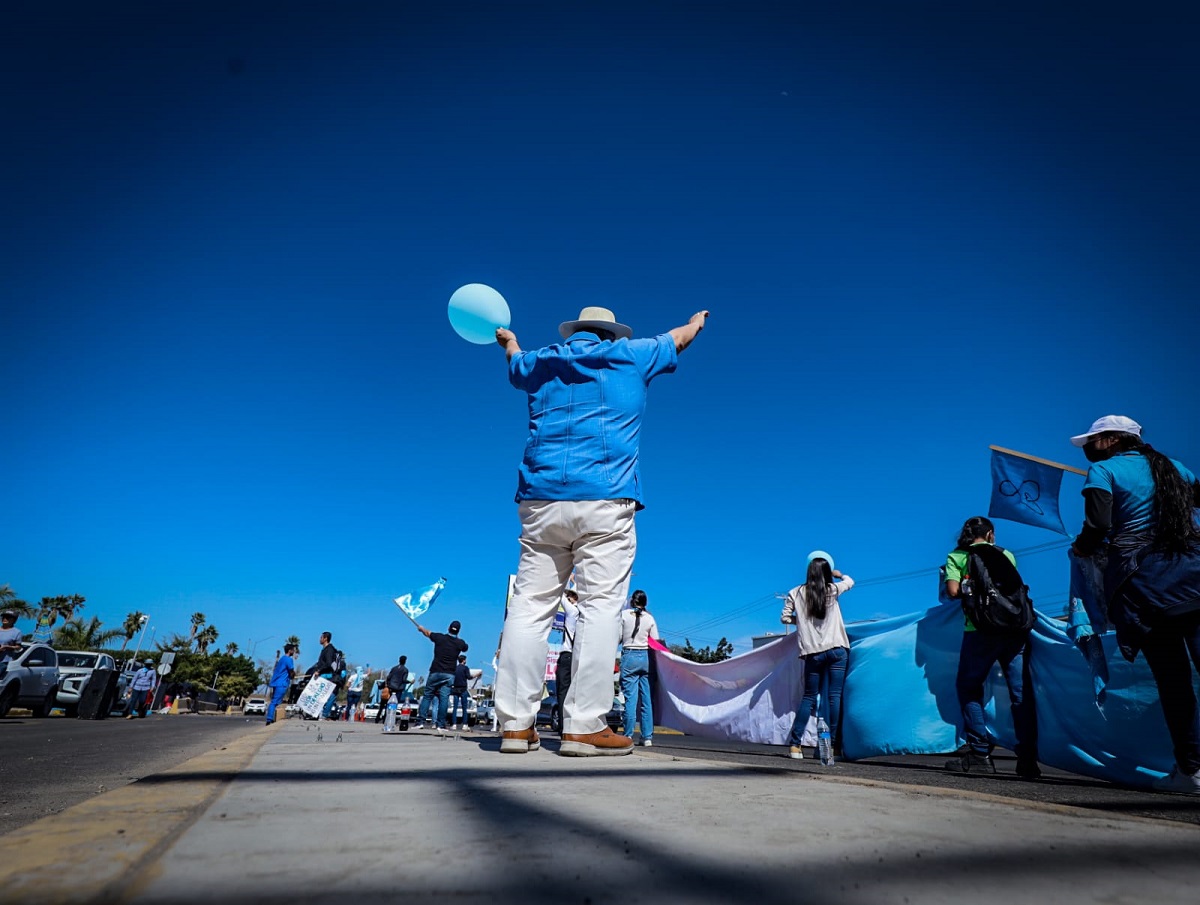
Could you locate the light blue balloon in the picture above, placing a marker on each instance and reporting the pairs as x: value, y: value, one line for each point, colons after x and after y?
x: 476, y: 311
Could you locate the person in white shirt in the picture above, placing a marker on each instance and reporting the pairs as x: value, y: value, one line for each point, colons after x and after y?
x: 821, y: 635
x: 637, y: 628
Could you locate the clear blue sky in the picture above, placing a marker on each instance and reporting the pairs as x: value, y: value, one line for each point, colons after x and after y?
x: 231, y: 230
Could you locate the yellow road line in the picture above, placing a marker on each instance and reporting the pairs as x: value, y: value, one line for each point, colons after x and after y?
x: 95, y: 850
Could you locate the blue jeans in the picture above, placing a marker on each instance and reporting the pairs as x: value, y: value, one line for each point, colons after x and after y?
x: 277, y: 695
x: 332, y: 698
x: 635, y: 685
x: 458, y: 697
x: 352, y: 699
x: 438, y: 683
x: 979, y: 652
x: 824, y: 675
x: 1167, y: 647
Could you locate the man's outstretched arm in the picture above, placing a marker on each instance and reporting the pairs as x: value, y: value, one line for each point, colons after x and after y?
x: 684, y: 335
x: 507, y: 340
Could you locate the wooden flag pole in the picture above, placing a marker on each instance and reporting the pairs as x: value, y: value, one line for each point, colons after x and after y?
x: 1021, y: 455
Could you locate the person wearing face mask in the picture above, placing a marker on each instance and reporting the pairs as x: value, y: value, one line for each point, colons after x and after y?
x: 1139, y: 510
x: 637, y: 628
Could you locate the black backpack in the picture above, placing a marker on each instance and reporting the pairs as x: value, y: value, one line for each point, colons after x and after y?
x: 338, y: 668
x: 994, y: 596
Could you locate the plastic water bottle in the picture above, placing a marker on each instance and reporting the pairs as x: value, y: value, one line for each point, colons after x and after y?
x: 389, y: 721
x: 824, y: 743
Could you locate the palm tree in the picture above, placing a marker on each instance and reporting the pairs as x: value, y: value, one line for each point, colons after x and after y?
x: 63, y: 605
x: 205, y: 637
x: 198, y: 619
x: 130, y: 626
x: 9, y: 601
x: 231, y: 648
x: 75, y: 635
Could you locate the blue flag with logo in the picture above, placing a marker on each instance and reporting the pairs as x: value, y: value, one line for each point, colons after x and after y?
x: 416, y: 603
x: 1024, y: 490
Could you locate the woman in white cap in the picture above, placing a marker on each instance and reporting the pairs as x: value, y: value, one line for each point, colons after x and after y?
x: 821, y: 634
x: 1139, y: 509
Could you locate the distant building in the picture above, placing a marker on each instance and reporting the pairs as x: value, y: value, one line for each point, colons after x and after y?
x: 759, y: 640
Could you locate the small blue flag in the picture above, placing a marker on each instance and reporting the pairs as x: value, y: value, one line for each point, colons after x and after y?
x: 1025, y: 490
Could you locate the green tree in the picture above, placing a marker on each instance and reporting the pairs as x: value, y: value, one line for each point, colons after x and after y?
x: 131, y: 626
x: 236, y: 685
x: 231, y: 648
x: 723, y: 651
x: 74, y: 634
x: 175, y: 642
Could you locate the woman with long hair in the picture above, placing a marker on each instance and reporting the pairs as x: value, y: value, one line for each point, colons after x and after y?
x: 1139, y: 511
x: 637, y: 628
x: 821, y: 635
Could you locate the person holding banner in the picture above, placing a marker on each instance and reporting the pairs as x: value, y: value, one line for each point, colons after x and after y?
x: 578, y: 490
x: 1139, y: 508
x: 821, y: 634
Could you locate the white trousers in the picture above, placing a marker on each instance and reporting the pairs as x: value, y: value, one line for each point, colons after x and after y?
x: 597, y: 539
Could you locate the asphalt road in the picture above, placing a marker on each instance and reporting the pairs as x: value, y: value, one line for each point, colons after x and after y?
x: 1055, y: 786
x: 50, y: 764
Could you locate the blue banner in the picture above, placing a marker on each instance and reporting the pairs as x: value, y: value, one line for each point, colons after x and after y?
x: 1025, y: 491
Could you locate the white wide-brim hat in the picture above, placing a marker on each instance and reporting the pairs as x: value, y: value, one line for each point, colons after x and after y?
x: 595, y: 319
x: 1117, y: 423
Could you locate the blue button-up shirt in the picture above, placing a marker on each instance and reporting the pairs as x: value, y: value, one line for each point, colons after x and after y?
x: 586, y: 399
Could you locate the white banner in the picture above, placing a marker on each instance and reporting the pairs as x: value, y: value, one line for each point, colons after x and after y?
x: 316, y: 693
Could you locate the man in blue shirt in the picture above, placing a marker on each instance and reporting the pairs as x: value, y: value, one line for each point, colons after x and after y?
x: 281, y: 680
x: 578, y: 488
x: 141, y: 690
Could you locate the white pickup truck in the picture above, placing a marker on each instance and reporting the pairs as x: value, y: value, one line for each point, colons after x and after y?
x: 75, y: 668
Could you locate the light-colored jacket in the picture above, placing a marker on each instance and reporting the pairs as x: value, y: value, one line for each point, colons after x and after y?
x: 647, y: 628
x: 816, y: 635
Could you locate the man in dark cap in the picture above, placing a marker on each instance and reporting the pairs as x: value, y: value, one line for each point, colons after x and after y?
x: 440, y: 680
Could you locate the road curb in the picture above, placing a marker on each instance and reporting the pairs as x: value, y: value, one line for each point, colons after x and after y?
x: 99, y: 850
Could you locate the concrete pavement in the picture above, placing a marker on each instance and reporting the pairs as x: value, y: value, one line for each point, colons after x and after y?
x: 295, y: 815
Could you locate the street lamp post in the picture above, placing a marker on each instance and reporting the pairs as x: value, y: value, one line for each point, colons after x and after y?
x: 144, y: 620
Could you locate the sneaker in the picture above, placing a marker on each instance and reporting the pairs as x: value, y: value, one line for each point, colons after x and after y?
x: 796, y: 753
x: 647, y: 743
x: 1177, y: 781
x: 971, y: 762
x: 605, y: 742
x: 520, y: 741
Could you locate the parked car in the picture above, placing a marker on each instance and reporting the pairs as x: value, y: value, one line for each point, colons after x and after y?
x: 550, y: 714
x: 30, y: 680
x: 484, y: 710
x: 75, y: 668
x: 254, y: 705
x: 370, y: 711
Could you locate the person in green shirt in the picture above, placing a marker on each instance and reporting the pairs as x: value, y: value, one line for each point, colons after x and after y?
x: 980, y: 651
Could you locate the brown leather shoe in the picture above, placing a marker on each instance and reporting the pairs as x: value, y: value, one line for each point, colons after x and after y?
x: 520, y: 741
x: 602, y: 743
